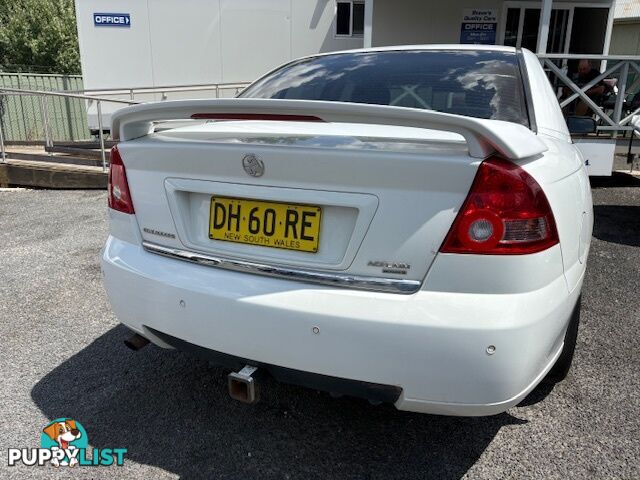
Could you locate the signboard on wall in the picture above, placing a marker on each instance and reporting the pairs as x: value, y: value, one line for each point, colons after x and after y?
x: 479, y: 26
x: 111, y: 20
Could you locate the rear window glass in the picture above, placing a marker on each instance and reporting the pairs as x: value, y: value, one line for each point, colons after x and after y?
x: 480, y: 84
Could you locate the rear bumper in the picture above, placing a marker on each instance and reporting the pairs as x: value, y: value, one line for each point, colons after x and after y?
x: 431, y: 345
x: 371, y: 391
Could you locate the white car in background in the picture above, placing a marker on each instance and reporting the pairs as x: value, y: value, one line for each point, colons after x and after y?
x: 403, y: 224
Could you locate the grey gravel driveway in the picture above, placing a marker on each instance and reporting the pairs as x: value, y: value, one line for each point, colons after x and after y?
x: 62, y: 355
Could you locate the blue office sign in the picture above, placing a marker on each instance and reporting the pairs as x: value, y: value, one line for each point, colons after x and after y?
x: 478, y: 33
x: 479, y: 26
x: 111, y: 20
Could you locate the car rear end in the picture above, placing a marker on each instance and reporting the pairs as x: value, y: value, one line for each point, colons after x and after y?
x: 401, y: 255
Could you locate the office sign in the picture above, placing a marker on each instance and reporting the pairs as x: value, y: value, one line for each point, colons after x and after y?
x: 111, y: 20
x: 479, y: 26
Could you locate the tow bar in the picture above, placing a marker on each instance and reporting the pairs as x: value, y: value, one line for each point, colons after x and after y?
x: 243, y: 386
x: 136, y: 341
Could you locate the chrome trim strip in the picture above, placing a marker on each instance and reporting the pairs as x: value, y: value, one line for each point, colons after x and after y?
x: 377, y: 284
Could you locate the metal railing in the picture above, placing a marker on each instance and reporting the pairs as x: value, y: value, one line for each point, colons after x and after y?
x: 131, y: 92
x: 619, y: 116
x: 159, y: 93
x: 42, y: 95
x: 99, y: 97
x: 68, y: 116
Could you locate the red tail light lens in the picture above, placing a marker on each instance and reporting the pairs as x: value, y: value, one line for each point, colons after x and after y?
x: 119, y: 195
x: 505, y: 213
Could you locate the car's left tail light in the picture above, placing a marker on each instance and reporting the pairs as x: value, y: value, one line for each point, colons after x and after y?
x: 119, y: 195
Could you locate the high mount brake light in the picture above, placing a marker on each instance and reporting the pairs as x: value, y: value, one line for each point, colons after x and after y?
x: 505, y: 213
x: 256, y: 116
x: 119, y: 195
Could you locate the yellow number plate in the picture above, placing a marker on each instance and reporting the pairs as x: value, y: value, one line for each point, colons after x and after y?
x: 268, y: 224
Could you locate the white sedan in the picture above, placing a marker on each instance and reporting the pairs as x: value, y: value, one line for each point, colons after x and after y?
x: 404, y: 224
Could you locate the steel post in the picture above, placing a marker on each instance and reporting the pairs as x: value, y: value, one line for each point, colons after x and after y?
x: 622, y: 90
x: 3, y: 158
x: 101, y: 136
x: 45, y: 124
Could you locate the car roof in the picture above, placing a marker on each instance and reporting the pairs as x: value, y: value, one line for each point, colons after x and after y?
x: 432, y: 46
x: 435, y: 46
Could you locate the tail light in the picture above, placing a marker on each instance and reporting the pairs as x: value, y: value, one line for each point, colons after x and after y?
x: 119, y: 195
x: 505, y: 213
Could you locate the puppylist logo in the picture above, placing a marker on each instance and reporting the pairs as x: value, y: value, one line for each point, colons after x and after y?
x: 64, y: 442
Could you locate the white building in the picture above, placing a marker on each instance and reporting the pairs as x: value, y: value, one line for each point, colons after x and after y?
x: 128, y: 43
x: 625, y: 38
x: 570, y: 27
x: 181, y: 42
x: 133, y: 43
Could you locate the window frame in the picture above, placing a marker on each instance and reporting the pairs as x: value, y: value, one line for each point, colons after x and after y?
x: 522, y: 5
x: 335, y: 16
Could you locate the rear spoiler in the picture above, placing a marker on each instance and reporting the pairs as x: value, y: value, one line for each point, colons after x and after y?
x: 483, y: 137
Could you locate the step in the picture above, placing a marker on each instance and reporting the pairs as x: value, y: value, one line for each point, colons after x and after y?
x: 30, y: 173
x: 55, y: 158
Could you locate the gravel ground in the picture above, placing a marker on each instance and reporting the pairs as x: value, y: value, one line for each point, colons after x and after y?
x: 62, y: 356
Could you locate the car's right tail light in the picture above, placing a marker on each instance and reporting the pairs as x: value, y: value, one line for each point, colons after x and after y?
x: 119, y: 195
x: 505, y: 213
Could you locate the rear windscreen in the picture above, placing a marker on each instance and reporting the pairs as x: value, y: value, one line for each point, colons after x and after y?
x: 482, y: 84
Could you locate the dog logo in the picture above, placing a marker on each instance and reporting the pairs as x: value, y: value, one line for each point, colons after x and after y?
x: 253, y: 165
x: 64, y: 442
x: 68, y: 436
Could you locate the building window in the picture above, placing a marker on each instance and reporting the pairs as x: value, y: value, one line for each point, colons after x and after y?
x: 350, y: 19
x: 511, y: 28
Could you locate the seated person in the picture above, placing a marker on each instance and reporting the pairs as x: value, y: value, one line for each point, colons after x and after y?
x: 586, y: 73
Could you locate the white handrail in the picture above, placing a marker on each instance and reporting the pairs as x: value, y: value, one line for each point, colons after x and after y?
x: 99, y: 97
x: 584, y: 56
x: 45, y: 121
x: 162, y: 88
x: 22, y: 91
x: 615, y: 122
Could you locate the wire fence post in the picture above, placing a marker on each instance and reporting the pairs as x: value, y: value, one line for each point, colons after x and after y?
x: 3, y: 158
x: 45, y: 124
x: 101, y: 136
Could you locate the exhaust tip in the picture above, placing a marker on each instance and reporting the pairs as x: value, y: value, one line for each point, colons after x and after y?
x: 136, y: 341
x: 243, y: 386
